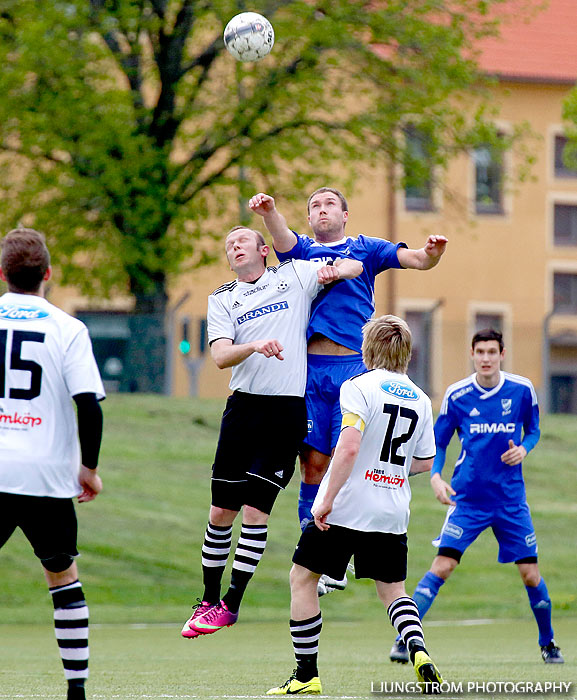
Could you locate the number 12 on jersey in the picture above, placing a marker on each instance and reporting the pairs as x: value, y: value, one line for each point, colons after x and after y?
x: 389, y: 451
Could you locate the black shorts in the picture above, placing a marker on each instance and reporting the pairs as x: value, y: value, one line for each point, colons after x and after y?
x: 381, y: 556
x: 49, y: 524
x: 259, y: 440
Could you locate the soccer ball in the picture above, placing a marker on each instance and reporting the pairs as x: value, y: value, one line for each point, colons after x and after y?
x: 249, y: 36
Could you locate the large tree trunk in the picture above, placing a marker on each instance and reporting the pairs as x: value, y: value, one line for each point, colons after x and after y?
x: 146, y: 350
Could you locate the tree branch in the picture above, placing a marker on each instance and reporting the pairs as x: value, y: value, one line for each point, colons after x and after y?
x: 186, y: 196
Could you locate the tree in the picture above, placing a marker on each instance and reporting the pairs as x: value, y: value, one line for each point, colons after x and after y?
x: 125, y: 124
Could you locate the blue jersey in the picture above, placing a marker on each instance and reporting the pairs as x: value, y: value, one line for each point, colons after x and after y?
x: 340, y: 313
x: 485, y: 420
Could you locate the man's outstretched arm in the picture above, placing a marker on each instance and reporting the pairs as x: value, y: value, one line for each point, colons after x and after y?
x: 263, y: 205
x: 424, y: 258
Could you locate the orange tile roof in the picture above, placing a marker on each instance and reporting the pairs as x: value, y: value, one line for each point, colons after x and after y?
x: 540, y: 48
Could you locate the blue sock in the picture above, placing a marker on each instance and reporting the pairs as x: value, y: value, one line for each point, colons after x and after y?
x: 426, y: 592
x: 541, y: 607
x: 307, y: 496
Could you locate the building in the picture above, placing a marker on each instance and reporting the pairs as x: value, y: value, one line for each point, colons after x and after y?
x: 512, y: 257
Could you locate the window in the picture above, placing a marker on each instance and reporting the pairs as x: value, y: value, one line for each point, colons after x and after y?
x: 562, y: 170
x: 488, y: 179
x: 565, y: 292
x: 110, y: 334
x: 418, y: 171
x: 563, y: 393
x: 420, y: 365
x: 488, y: 320
x: 565, y: 224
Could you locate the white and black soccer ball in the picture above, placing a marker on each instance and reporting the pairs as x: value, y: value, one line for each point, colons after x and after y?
x: 249, y: 36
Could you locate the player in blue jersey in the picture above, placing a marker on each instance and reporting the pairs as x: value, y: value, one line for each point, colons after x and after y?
x: 335, y: 329
x: 497, y: 419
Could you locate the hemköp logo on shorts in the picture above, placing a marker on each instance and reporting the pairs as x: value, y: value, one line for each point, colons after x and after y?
x: 11, y: 312
x: 400, y: 390
x: 262, y: 311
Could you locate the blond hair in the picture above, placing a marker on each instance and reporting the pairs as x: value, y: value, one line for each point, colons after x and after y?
x: 387, y: 343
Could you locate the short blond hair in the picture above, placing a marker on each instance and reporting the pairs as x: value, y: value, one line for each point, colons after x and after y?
x: 387, y: 344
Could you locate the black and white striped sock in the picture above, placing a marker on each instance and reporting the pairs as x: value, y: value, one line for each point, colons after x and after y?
x: 71, y: 627
x: 248, y: 553
x: 404, y: 616
x: 305, y: 637
x: 215, y: 551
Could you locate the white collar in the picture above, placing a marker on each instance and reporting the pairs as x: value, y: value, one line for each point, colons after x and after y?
x: 487, y: 393
x: 333, y: 243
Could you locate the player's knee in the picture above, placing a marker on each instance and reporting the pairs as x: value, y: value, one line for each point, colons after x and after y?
x: 300, y: 578
x: 57, y: 563
x: 314, y: 464
x: 221, y: 517
x: 531, y: 576
x: 443, y: 566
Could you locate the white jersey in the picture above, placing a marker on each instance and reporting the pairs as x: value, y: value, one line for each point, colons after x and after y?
x: 276, y: 306
x: 45, y: 359
x: 398, y: 425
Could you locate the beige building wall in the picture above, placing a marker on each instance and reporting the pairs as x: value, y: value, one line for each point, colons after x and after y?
x: 494, y: 263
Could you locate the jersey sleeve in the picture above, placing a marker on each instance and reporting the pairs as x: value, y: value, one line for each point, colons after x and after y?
x: 219, y: 321
x: 299, y: 250
x: 353, y: 402
x: 445, y: 426
x: 306, y: 271
x: 79, y: 367
x: 425, y: 446
x: 383, y: 254
x: 531, y: 430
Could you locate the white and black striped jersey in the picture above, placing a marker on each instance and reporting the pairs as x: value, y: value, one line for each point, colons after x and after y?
x: 45, y: 359
x: 276, y: 306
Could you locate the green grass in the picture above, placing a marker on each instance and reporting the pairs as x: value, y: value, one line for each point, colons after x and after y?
x: 246, y: 660
x: 140, y: 539
x: 140, y: 543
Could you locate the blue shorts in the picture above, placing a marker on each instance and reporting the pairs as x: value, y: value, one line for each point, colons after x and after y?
x: 325, y: 374
x: 511, y: 525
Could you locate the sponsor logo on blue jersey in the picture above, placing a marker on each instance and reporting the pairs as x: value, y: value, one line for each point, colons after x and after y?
x: 325, y: 259
x: 492, y: 428
x: 11, y: 312
x: 531, y: 539
x: 400, y: 390
x: 461, y: 392
x: 262, y: 311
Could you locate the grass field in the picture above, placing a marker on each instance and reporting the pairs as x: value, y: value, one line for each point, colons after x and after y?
x: 246, y: 660
x: 141, y: 539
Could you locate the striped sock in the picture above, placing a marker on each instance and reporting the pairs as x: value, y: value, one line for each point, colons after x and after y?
x: 215, y: 551
x: 249, y: 551
x: 71, y: 627
x: 404, y: 616
x: 305, y: 637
